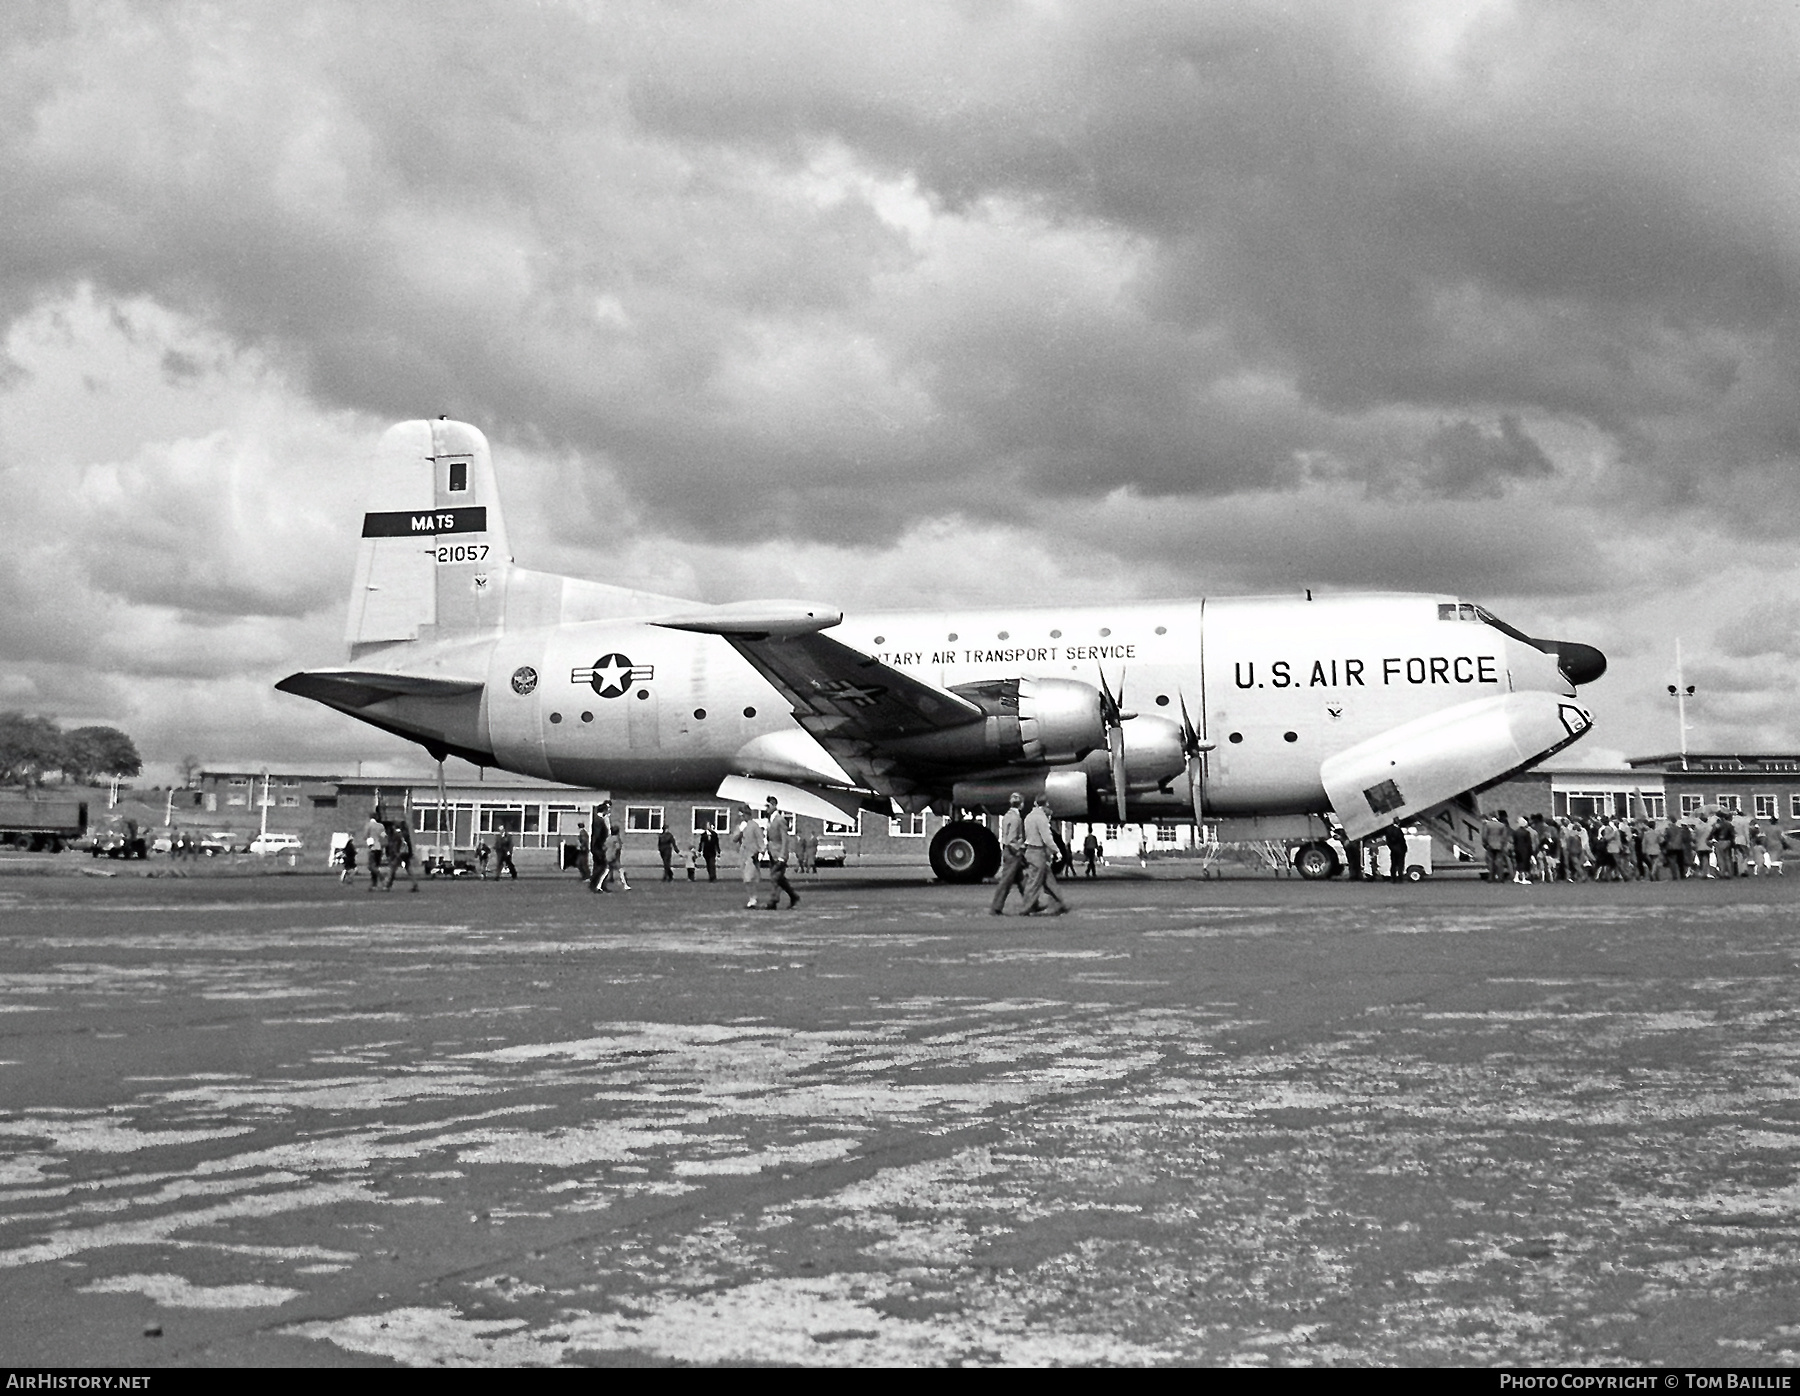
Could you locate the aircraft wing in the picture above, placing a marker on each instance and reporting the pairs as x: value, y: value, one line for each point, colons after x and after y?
x: 850, y: 701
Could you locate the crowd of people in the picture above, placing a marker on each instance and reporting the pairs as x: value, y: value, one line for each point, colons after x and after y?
x: 1617, y: 848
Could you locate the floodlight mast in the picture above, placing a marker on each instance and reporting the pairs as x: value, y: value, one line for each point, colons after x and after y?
x: 1681, y: 692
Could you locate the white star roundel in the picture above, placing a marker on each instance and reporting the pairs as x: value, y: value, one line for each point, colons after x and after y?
x: 612, y: 675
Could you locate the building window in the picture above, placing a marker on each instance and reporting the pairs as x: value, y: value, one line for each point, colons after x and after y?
x: 1731, y: 804
x: 909, y: 826
x: 237, y: 792
x: 1794, y: 806
x: 290, y: 800
x: 1692, y: 804
x: 494, y: 818
x: 1655, y: 806
x: 1168, y: 833
x: 563, y: 820
x: 643, y: 819
x: 711, y: 817
x: 1589, y: 804
x: 835, y: 830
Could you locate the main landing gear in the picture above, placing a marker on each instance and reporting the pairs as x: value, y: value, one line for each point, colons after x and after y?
x: 1315, y: 861
x: 964, y: 851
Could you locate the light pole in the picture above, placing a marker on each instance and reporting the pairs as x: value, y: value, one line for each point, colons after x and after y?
x: 1681, y: 692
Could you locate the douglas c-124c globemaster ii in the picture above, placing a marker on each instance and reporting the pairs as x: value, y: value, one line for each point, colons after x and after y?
x: 1265, y: 714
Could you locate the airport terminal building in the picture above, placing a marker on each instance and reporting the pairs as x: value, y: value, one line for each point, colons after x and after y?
x: 542, y: 816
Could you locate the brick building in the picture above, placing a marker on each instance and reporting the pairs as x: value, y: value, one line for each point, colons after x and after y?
x: 1760, y: 785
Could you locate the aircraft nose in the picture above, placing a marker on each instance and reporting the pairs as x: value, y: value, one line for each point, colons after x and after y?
x: 1579, y: 663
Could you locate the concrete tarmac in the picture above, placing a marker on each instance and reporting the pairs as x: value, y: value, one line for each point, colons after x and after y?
x: 278, y: 1121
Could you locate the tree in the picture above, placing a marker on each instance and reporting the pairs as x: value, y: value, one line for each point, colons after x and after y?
x: 29, y: 745
x: 88, y: 752
x: 191, y: 766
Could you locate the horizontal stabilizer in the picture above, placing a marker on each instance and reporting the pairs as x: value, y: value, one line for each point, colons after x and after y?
x: 1408, y: 769
x: 836, y: 806
x: 358, y: 688
x: 760, y: 620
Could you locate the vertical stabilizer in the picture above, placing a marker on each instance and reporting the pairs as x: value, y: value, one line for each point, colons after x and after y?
x: 434, y: 557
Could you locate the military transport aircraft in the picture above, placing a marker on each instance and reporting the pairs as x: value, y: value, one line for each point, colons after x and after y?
x: 1264, y: 714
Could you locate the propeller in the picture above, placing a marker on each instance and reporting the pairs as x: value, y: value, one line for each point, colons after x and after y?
x: 1113, y: 716
x: 1195, y: 748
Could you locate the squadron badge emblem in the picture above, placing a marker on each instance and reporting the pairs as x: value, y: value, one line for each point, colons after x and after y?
x: 524, y: 679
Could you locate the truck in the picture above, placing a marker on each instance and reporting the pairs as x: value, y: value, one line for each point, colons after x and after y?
x: 40, y: 825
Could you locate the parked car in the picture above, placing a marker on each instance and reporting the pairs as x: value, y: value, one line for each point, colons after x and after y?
x: 115, y: 843
x: 275, y: 843
x: 829, y: 854
x: 222, y: 841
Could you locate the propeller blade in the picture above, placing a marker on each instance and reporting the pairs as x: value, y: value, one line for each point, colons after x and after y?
x: 1109, y: 701
x: 1115, y: 750
x: 1196, y: 766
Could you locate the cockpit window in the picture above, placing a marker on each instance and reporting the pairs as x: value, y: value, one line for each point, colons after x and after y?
x: 1468, y: 610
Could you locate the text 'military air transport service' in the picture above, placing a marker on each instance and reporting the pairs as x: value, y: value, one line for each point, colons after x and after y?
x: 1264, y: 714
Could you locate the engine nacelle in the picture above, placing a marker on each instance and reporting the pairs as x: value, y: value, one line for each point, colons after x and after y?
x: 1059, y: 719
x: 1028, y: 720
x: 1066, y: 786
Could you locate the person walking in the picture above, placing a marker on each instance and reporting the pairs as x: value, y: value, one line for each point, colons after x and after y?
x: 349, y: 873
x: 666, y: 849
x: 1090, y: 850
x: 781, y: 841
x: 584, y: 863
x: 1523, y: 844
x: 1774, y: 845
x: 749, y: 841
x: 1676, y: 841
x: 1493, y: 843
x: 1724, y: 836
x: 709, y: 850
x: 1012, y: 855
x: 808, y: 843
x: 603, y: 831
x: 1651, y: 843
x: 482, y: 854
x: 400, y: 853
x: 1040, y: 856
x: 692, y: 858
x: 503, y: 862
x: 615, y: 860
x: 374, y: 841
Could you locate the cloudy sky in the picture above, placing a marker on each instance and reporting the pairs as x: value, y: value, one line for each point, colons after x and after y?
x: 901, y: 303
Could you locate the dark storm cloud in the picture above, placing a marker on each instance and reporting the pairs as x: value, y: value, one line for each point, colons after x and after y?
x: 1522, y: 212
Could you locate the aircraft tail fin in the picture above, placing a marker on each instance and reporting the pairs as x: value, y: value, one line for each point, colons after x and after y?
x: 434, y: 557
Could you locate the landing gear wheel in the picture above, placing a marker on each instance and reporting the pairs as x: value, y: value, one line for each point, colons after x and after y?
x: 1315, y: 862
x: 1415, y: 873
x: 964, y: 851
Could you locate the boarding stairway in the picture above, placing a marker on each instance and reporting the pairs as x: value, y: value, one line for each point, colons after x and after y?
x: 1455, y: 826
